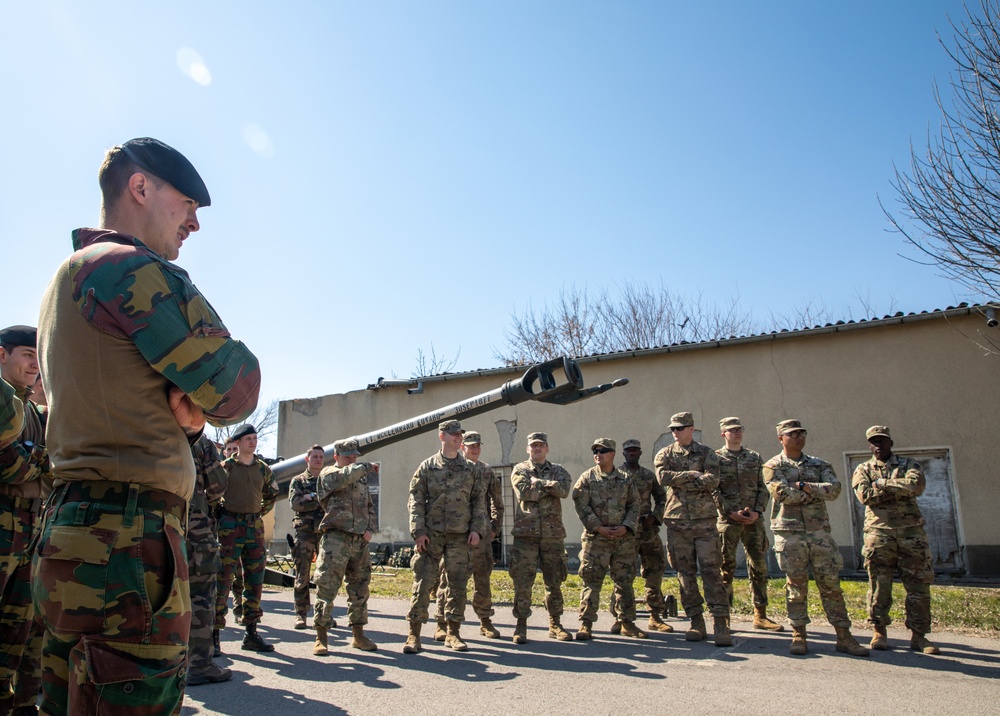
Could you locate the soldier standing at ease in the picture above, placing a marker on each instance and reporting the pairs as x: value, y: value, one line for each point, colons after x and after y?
x: 308, y: 512
x: 539, y: 535
x: 250, y: 494
x: 203, y: 561
x: 347, y: 526
x: 690, y: 473
x: 801, y: 485
x: 608, y: 506
x: 447, y: 518
x: 652, y: 556
x: 742, y: 499
x: 888, y: 486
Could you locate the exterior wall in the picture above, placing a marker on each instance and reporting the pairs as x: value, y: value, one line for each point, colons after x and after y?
x: 924, y: 378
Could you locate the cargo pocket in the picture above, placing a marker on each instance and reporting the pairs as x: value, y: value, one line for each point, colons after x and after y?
x: 125, y: 677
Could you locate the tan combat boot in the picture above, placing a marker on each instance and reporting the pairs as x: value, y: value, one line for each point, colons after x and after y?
x: 721, y: 631
x: 920, y: 642
x: 521, y: 632
x: 453, y: 640
x: 300, y: 621
x: 556, y: 630
x: 321, y: 648
x: 847, y: 644
x: 630, y: 629
x: 441, y: 630
x: 760, y: 621
x: 880, y: 640
x: 697, y: 630
x: 616, y: 628
x: 360, y: 641
x: 487, y: 629
x: 656, y: 623
x: 799, y: 646
x: 412, y: 645
x: 585, y: 632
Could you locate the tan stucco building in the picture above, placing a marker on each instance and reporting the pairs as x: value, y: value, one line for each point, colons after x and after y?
x: 925, y: 375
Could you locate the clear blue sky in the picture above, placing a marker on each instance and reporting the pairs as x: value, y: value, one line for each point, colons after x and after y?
x: 390, y: 175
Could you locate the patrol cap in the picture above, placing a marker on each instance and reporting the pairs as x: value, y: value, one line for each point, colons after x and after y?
x: 14, y: 336
x: 876, y: 430
x: 346, y: 448
x: 242, y: 431
x: 604, y: 443
x: 538, y: 438
x: 788, y: 426
x: 450, y: 426
x: 168, y: 164
x: 631, y: 443
x: 681, y: 420
x: 472, y: 437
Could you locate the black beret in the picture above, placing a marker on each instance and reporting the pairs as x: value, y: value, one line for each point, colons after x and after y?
x: 168, y: 164
x: 15, y: 336
x: 242, y: 431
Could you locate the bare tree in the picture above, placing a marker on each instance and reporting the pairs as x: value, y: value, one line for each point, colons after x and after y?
x: 433, y: 364
x: 950, y: 196
x: 264, y: 419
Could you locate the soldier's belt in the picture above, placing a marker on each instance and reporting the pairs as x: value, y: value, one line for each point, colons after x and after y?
x: 241, y: 515
x: 121, y: 497
x: 16, y: 504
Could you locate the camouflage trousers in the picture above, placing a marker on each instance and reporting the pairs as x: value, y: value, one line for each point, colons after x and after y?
x: 599, y: 556
x: 20, y: 635
x: 203, y: 567
x: 237, y: 588
x: 527, y: 554
x: 796, y: 553
x: 343, y: 555
x: 307, y: 541
x: 482, y: 593
x: 693, y: 546
x: 905, y: 550
x: 110, y: 584
x: 755, y: 545
x: 241, y: 539
x: 455, y: 552
x: 653, y: 559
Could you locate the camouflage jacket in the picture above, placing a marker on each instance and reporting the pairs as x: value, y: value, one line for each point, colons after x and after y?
x: 691, y: 476
x: 24, y: 464
x: 606, y: 500
x: 494, y: 497
x: 344, y: 496
x: 648, y: 488
x: 447, y: 495
x: 892, y: 503
x: 209, y: 485
x: 538, y: 493
x: 258, y: 496
x: 795, y: 510
x: 11, y: 414
x: 741, y: 483
x: 303, y: 498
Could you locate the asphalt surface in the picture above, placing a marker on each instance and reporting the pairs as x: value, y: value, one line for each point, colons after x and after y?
x: 610, y: 675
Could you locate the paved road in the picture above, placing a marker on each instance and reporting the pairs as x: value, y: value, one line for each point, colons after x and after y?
x: 611, y: 675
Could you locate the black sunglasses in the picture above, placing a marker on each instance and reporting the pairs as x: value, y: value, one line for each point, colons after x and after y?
x: 677, y: 430
x: 602, y: 451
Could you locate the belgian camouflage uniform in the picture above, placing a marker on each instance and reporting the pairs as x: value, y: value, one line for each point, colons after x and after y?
x: 649, y: 545
x: 11, y: 414
x: 24, y: 468
x: 802, y: 536
x: 606, y: 500
x: 120, y: 326
x: 691, y: 477
x: 308, y: 512
x: 539, y: 534
x: 203, y: 549
x: 741, y: 484
x: 348, y: 514
x: 241, y: 536
x: 895, y: 539
x: 446, y: 504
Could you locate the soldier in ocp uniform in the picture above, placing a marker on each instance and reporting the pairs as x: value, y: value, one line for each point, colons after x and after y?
x: 690, y: 473
x: 801, y: 485
x: 608, y: 506
x: 348, y: 523
x: 742, y: 499
x: 888, y: 486
x: 304, y: 501
x: 539, y: 536
x: 447, y: 518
